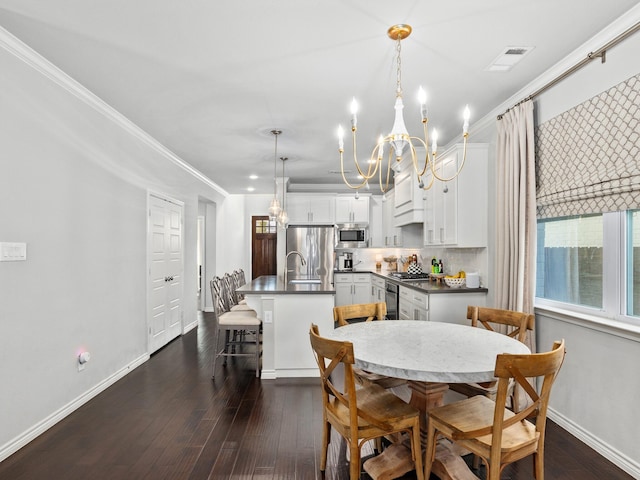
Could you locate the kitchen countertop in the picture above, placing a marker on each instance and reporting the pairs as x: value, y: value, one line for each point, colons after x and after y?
x: 274, y: 284
x: 422, y: 285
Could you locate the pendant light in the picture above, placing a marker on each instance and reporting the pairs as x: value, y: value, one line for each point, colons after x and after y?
x: 274, y: 208
x: 283, y: 217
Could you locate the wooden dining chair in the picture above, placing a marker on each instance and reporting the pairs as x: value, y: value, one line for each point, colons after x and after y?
x: 491, y: 431
x: 236, y: 326
x: 519, y: 324
x: 359, y: 414
x: 367, y: 312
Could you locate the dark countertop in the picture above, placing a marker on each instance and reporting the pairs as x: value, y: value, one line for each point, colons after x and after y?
x: 273, y: 284
x: 422, y: 285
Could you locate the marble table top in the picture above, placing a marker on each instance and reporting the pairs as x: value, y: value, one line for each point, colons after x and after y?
x: 427, y: 351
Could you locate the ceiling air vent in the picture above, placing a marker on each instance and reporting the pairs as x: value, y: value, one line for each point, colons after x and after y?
x: 508, y: 58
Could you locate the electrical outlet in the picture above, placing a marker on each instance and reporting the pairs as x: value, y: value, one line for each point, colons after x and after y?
x: 268, y: 316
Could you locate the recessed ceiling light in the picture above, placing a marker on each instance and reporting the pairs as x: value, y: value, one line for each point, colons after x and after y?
x: 253, y: 177
x: 250, y: 189
x: 508, y: 59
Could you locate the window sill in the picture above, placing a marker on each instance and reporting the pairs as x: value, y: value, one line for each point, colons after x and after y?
x: 586, y: 320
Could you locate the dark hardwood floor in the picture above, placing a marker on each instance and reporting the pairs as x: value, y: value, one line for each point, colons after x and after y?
x: 168, y: 420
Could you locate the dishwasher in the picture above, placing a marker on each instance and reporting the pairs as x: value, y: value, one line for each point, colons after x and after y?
x: 392, y: 299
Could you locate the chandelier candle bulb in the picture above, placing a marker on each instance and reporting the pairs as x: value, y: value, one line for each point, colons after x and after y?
x: 354, y: 111
x: 422, y: 98
x: 340, y: 138
x: 465, y: 125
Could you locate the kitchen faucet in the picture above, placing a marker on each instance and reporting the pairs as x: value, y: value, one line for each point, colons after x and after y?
x: 303, y: 262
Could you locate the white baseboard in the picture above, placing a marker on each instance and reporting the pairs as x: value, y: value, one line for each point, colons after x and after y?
x: 188, y: 328
x: 616, y: 457
x: 38, y: 429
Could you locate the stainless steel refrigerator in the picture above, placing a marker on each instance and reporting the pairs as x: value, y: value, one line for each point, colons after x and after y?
x: 316, y: 244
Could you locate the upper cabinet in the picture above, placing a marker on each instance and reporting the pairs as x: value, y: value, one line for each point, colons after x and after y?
x: 304, y: 209
x: 392, y: 234
x: 352, y: 210
x: 455, y: 212
x: 408, y: 202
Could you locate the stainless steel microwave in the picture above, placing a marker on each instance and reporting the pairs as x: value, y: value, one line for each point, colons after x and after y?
x: 352, y: 236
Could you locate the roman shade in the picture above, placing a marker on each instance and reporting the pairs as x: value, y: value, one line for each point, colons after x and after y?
x: 588, y: 158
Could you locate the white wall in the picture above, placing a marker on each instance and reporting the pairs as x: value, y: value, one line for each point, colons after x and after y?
x: 595, y: 394
x: 234, y: 227
x: 74, y: 177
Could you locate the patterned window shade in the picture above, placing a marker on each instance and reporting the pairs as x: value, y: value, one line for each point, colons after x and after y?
x: 588, y: 158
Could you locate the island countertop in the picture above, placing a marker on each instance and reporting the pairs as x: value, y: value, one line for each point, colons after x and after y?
x: 274, y: 284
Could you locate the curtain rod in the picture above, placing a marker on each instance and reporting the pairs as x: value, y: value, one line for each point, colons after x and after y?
x: 600, y: 53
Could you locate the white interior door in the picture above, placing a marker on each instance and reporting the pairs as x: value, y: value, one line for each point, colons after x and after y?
x: 165, y: 271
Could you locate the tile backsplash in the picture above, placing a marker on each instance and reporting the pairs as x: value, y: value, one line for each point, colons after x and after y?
x: 453, y: 259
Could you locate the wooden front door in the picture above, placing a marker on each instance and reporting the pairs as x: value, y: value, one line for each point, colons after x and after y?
x: 263, y: 246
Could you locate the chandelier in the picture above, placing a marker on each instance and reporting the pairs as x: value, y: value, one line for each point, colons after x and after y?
x: 399, y: 140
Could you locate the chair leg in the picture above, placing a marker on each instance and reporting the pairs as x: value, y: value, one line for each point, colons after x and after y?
x: 354, y: 460
x: 416, y: 450
x: 226, y: 345
x: 326, y: 433
x: 257, y: 352
x: 538, y: 464
x: 431, y: 450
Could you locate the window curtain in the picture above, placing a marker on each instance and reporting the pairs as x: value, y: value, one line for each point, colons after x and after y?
x: 516, y: 212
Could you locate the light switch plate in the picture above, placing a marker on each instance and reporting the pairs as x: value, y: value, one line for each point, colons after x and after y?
x: 13, y: 251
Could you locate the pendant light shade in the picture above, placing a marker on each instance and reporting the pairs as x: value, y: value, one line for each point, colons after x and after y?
x: 283, y: 217
x: 274, y: 207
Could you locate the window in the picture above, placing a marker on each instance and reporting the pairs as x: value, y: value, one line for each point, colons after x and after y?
x: 591, y: 263
x: 633, y: 263
x: 265, y: 225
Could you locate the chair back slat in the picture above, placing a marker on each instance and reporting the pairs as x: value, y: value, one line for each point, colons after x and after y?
x: 229, y: 290
x: 368, y: 311
x: 519, y: 322
x: 219, y: 305
x: 520, y: 368
x: 238, y: 280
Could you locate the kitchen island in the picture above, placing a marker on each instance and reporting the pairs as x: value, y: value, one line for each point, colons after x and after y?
x: 287, y: 310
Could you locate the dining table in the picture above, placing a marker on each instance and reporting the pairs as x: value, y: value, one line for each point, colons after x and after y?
x: 429, y: 355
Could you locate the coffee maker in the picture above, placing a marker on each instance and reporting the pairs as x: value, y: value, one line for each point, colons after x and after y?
x: 345, y: 261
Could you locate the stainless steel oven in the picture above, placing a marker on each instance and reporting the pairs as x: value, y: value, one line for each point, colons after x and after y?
x: 391, y: 297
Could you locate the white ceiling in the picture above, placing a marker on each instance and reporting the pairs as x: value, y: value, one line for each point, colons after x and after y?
x: 210, y: 80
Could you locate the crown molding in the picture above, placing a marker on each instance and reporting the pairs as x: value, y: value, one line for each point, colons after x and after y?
x: 30, y: 57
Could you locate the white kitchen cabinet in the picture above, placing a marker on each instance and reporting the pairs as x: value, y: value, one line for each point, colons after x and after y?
x: 352, y: 210
x: 413, y: 305
x: 377, y: 289
x: 352, y: 288
x: 376, y: 232
x: 311, y: 209
x: 408, y: 201
x: 455, y: 212
x: 452, y: 307
x: 392, y: 234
